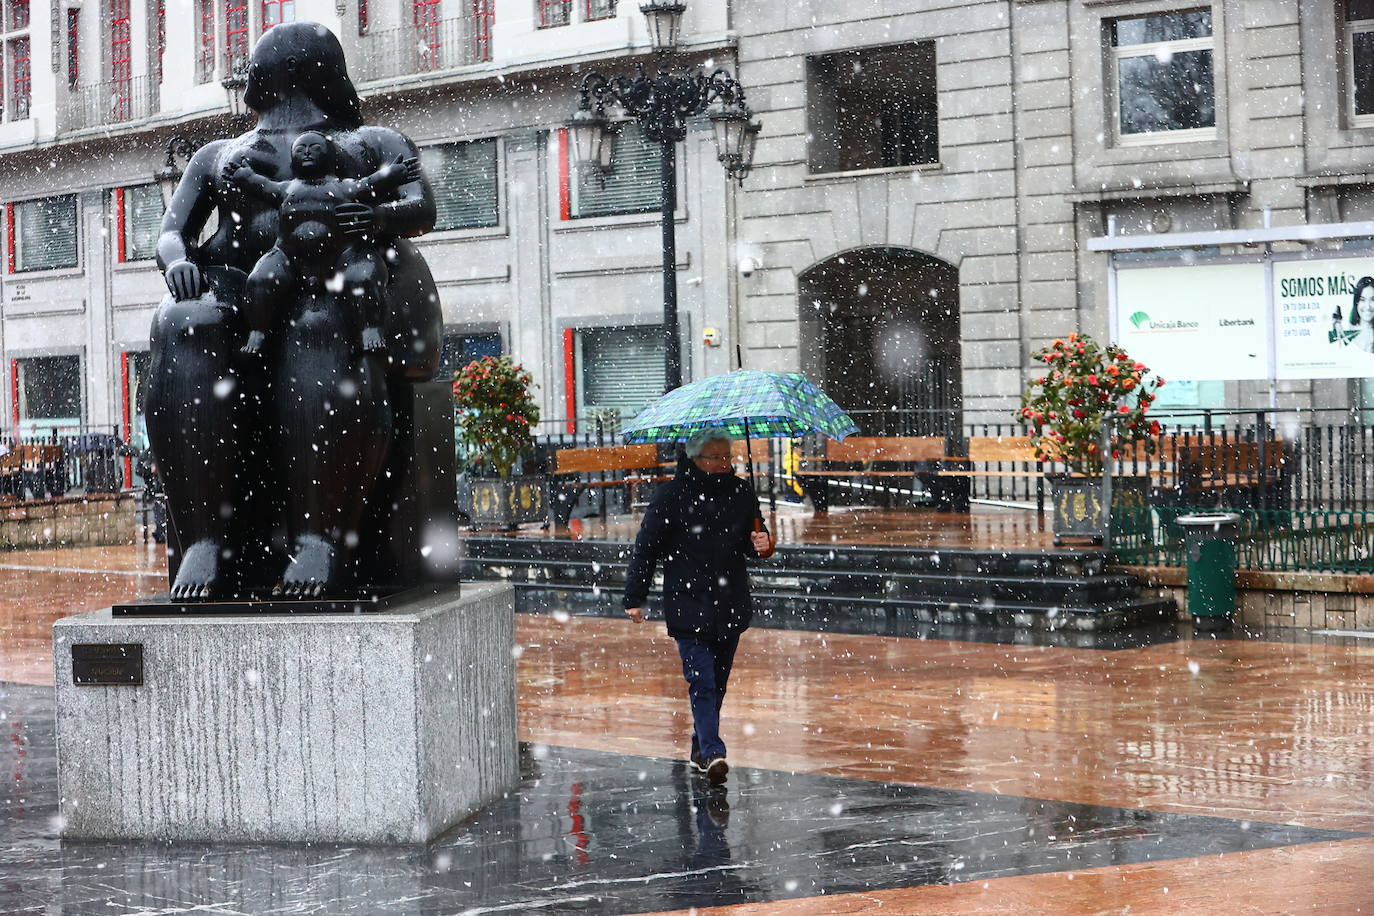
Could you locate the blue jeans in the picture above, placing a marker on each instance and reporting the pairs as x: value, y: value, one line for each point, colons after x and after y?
x: 706, y: 665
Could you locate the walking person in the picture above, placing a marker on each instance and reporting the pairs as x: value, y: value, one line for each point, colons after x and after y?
x: 704, y: 526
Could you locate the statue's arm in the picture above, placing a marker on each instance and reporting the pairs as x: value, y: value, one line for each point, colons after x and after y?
x: 192, y: 203
x: 255, y: 185
x: 182, y: 223
x: 392, y: 176
x: 412, y: 212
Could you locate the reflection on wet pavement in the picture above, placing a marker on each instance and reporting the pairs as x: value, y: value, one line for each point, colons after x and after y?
x: 589, y: 831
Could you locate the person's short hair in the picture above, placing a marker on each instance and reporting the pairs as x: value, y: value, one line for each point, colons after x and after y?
x: 699, y: 440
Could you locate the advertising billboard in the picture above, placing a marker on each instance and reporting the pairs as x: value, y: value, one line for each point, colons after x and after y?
x: 1324, y: 318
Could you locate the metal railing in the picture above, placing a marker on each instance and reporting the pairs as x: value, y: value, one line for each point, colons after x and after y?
x: 1267, y: 540
x: 110, y: 102
x: 446, y: 44
x: 63, y: 461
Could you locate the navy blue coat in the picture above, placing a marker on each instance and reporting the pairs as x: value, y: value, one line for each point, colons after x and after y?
x: 699, y: 527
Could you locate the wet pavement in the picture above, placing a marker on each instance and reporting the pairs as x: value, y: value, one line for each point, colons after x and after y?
x: 923, y: 773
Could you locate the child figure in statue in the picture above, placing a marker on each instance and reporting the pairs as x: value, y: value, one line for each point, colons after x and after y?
x: 313, y: 252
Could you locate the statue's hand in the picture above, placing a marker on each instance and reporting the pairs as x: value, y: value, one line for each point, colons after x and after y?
x: 372, y: 340
x: 356, y: 219
x: 235, y: 173
x: 183, y: 279
x: 411, y: 167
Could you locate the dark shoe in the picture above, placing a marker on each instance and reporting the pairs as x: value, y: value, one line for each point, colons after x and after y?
x: 716, y: 770
x: 718, y: 809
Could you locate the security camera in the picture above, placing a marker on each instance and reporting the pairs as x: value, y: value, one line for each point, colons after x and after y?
x: 747, y: 266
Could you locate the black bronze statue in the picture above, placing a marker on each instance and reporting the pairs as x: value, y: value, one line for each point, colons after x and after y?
x: 312, y: 250
x: 297, y: 470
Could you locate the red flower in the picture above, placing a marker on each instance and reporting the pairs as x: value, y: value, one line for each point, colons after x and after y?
x: 1123, y: 409
x: 1092, y: 378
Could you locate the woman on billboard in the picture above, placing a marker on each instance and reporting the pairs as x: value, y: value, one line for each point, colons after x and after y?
x: 1362, y: 315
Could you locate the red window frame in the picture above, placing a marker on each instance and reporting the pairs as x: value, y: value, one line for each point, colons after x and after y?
x: 128, y: 428
x: 362, y: 17
x: 592, y: 14
x: 205, y: 41
x: 120, y: 229
x: 546, y: 21
x: 426, y: 16
x: 73, y: 47
x: 121, y: 60
x: 21, y: 78
x: 483, y: 18
x: 281, y: 7
x: 18, y: 14
x: 235, y: 34
x: 161, y: 39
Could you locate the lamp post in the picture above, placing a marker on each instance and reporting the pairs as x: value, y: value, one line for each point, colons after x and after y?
x: 179, y: 152
x: 661, y: 103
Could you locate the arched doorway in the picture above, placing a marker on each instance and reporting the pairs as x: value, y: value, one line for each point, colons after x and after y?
x: 880, y: 334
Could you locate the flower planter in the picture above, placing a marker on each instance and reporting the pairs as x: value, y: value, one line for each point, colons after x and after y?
x: 503, y: 503
x: 1078, y: 508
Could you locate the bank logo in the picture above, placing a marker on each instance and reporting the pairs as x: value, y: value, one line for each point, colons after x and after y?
x: 1140, y: 319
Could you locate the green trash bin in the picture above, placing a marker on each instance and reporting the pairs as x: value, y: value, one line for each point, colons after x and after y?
x: 1210, y: 540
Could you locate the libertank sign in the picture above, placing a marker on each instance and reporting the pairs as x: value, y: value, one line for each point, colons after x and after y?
x: 1324, y: 318
x: 1204, y: 323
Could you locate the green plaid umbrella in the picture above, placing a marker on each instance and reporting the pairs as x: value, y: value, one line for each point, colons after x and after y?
x: 746, y: 404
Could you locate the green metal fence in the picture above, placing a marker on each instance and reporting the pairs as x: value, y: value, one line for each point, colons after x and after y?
x: 1269, y: 540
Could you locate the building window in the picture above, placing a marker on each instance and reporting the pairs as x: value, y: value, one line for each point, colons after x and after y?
x: 634, y: 183
x: 16, y: 73
x: 461, y: 349
x: 121, y: 60
x: 1164, y: 80
x: 463, y: 176
x: 600, y: 9
x: 362, y: 17
x: 275, y: 12
x: 49, y: 390
x: 41, y: 234
x: 619, y: 368
x: 483, y: 17
x: 1359, y: 55
x: 873, y: 108
x: 73, y: 48
x: 138, y: 212
x: 205, y: 41
x: 430, y: 39
x: 21, y: 78
x: 553, y: 13
x: 235, y: 35
x: 160, y: 37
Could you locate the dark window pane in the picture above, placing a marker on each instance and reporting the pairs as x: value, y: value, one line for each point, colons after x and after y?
x: 1356, y: 10
x: 1168, y: 27
x: 622, y: 368
x: 633, y: 185
x: 461, y: 349
x: 45, y: 234
x: 1362, y: 51
x: 873, y: 108
x: 463, y: 176
x: 50, y: 389
x: 1173, y: 95
x: 142, y: 221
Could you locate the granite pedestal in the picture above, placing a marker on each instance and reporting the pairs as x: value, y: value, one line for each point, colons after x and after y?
x: 378, y: 728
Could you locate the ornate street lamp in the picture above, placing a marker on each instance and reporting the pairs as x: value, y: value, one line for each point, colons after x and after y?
x: 179, y: 151
x: 665, y: 23
x: 662, y: 104
x: 234, y: 85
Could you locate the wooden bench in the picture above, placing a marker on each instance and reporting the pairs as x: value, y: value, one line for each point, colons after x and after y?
x: 922, y: 458
x: 36, y: 468
x: 600, y: 467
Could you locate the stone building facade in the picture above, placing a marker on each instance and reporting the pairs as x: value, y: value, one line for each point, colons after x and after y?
x: 928, y: 184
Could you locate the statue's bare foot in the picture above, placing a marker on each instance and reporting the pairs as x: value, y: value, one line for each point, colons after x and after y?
x: 253, y: 345
x: 198, y: 575
x: 311, y: 569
